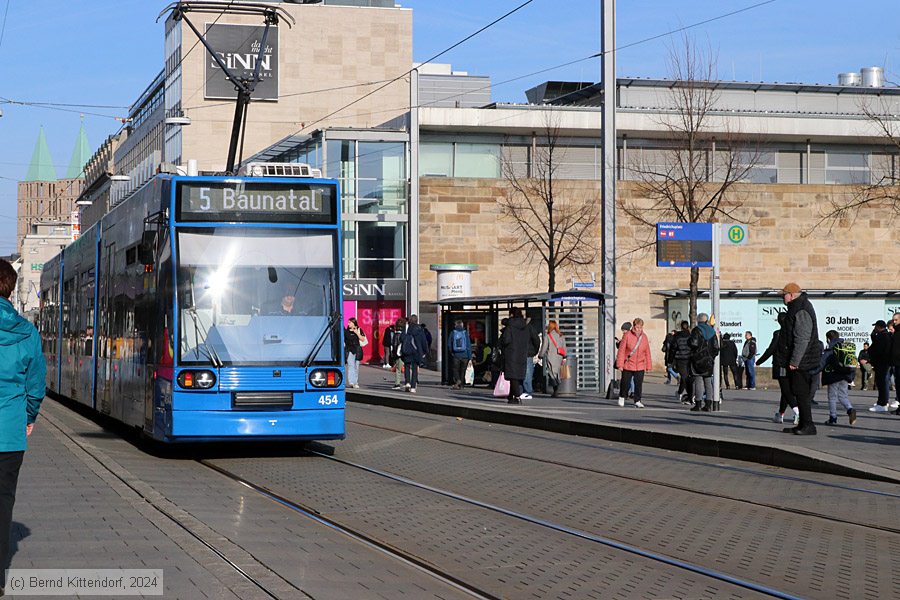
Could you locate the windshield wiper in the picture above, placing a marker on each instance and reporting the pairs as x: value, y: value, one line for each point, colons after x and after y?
x: 208, y: 350
x: 334, y: 319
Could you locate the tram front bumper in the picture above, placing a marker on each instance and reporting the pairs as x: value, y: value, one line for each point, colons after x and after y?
x: 315, y: 424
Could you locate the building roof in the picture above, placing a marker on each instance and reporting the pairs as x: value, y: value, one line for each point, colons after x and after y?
x: 593, y: 94
x: 81, y: 154
x: 41, y: 167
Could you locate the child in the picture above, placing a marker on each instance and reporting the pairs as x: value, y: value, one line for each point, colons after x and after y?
x: 837, y: 376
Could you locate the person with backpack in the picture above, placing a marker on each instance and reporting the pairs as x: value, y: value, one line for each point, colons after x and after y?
x: 412, y: 350
x: 838, y: 370
x: 748, y: 358
x: 704, y: 344
x: 633, y: 359
x: 460, y: 347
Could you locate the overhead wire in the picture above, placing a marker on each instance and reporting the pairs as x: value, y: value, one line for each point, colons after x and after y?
x: 3, y: 26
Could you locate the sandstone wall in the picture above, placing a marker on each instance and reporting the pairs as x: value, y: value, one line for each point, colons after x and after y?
x: 461, y: 222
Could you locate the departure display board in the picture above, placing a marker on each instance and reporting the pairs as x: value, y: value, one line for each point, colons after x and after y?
x: 684, y: 245
x: 256, y: 201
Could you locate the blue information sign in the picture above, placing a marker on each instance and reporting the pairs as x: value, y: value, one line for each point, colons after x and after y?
x: 684, y: 245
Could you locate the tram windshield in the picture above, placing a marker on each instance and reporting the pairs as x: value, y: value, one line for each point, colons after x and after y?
x: 254, y: 295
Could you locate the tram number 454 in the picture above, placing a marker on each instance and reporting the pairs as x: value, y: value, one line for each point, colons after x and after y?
x: 328, y: 399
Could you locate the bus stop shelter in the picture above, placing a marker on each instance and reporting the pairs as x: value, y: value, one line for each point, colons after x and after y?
x: 579, y: 313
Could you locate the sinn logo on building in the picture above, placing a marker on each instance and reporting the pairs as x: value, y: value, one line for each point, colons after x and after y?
x: 238, y: 47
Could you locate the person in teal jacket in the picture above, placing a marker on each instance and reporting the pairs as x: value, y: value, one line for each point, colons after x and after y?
x: 22, y: 388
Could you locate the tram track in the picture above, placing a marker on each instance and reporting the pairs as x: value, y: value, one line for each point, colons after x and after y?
x: 355, y: 534
x: 831, y: 518
x: 530, y: 519
x: 103, y: 463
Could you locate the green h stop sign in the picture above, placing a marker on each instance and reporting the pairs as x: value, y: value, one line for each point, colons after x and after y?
x: 736, y: 234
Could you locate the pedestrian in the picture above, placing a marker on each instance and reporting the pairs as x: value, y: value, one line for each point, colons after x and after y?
x: 748, y: 356
x: 396, y: 358
x: 837, y: 376
x: 728, y: 359
x: 413, y: 348
x: 633, y: 359
x: 704, y: 344
x: 880, y: 357
x: 865, y: 367
x: 386, y: 346
x: 779, y: 374
x: 895, y: 359
x: 517, y: 342
x: 553, y: 352
x: 799, y: 340
x: 428, y: 340
x: 528, y: 382
x: 460, y: 349
x: 22, y: 373
x: 668, y: 352
x: 682, y: 359
x: 354, y: 341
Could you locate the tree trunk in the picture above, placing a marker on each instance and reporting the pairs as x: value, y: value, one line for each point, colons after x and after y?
x: 694, y: 293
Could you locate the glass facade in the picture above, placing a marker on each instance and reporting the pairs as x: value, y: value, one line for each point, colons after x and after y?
x: 375, y: 200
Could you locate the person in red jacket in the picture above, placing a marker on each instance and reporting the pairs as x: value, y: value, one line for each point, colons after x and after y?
x: 633, y: 358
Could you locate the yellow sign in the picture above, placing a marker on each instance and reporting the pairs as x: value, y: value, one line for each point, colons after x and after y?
x: 737, y: 234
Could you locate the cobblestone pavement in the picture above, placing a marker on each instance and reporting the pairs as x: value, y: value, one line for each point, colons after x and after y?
x: 78, y: 508
x: 871, y: 446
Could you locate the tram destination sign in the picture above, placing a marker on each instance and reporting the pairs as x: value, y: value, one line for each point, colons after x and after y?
x: 684, y: 245
x: 300, y: 202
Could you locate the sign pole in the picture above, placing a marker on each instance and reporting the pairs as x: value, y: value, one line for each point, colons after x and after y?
x: 715, y: 401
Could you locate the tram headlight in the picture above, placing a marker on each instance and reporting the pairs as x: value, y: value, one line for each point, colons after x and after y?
x: 325, y: 378
x: 196, y: 380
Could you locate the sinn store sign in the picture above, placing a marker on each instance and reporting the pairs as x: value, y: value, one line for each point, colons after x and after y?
x: 238, y: 46
x: 244, y: 201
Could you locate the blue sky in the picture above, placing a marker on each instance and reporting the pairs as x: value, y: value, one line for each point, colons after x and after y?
x: 105, y: 52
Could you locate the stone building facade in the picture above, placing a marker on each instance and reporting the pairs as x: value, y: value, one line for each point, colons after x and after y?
x: 461, y: 223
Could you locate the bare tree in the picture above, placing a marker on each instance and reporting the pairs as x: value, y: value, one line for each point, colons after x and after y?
x: 553, y: 223
x: 882, y: 191
x: 691, y: 177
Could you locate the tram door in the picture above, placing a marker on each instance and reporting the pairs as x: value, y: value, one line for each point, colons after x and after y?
x: 105, y: 327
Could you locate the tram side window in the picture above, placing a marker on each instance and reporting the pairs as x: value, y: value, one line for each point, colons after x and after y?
x: 87, y: 312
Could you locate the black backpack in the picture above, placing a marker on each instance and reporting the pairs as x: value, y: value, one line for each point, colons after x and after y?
x: 704, y: 355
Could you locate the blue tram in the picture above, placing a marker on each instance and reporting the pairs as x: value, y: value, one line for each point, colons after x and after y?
x: 204, y: 308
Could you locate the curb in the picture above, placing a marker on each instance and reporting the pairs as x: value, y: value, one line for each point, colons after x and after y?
x: 787, y: 457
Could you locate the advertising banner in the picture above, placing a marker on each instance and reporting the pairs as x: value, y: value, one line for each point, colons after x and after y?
x: 238, y: 47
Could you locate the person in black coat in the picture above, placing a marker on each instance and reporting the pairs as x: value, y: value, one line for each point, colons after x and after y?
x: 681, y: 357
x: 728, y: 359
x: 880, y: 357
x: 518, y: 343
x: 413, y: 350
x: 895, y: 357
x: 779, y: 373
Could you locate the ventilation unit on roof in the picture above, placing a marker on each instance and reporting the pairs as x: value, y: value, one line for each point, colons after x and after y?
x: 260, y: 169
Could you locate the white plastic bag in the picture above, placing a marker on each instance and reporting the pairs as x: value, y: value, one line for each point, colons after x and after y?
x: 470, y: 374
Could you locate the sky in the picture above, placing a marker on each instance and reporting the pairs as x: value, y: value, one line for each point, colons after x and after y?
x: 105, y: 52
